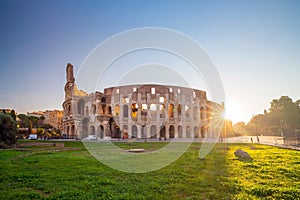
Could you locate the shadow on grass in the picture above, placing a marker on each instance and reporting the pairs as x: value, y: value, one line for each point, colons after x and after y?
x: 245, y: 160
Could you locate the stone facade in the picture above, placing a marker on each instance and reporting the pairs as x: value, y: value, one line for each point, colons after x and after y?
x: 54, y: 118
x: 136, y: 111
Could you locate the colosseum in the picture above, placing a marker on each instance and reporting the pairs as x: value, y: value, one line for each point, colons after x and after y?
x: 137, y: 111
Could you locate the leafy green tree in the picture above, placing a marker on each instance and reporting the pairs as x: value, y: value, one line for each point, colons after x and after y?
x: 284, y: 110
x: 35, y: 121
x: 8, y: 130
x: 47, y: 126
x: 24, y: 120
x: 283, y: 113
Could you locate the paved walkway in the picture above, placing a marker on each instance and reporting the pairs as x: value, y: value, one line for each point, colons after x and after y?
x: 266, y: 140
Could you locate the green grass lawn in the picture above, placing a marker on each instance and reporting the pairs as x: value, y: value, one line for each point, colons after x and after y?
x: 52, y: 173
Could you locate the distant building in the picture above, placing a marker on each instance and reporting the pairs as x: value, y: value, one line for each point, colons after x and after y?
x: 54, y: 118
x: 6, y: 110
x: 37, y: 114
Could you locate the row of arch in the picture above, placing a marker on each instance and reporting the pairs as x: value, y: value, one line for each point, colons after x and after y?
x: 145, y: 109
x: 162, y: 132
x: 152, y: 111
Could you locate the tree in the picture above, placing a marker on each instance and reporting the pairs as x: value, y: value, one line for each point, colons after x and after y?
x: 35, y: 121
x: 283, y: 113
x: 47, y: 126
x: 284, y: 110
x: 24, y: 120
x: 40, y: 132
x: 30, y: 127
x: 240, y: 127
x: 8, y: 130
x: 13, y: 115
x: 41, y: 121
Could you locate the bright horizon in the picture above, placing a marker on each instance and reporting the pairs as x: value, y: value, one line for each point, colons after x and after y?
x: 253, y: 44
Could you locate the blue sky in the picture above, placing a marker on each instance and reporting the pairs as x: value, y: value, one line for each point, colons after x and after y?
x: 255, y: 45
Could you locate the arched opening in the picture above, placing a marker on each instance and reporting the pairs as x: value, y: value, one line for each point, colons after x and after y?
x: 92, y: 130
x: 125, y: 110
x: 134, y: 131
x: 103, y: 100
x: 100, y: 131
x: 153, y: 131
x: 109, y: 110
x: 187, y: 112
x: 69, y: 110
x: 144, y: 131
x: 179, y: 112
x: 68, y: 130
x: 103, y: 108
x: 195, y: 113
x: 117, y: 111
x: 85, y: 131
x: 134, y: 110
x: 125, y: 132
x: 72, y: 130
x: 180, y: 131
x: 85, y: 127
x: 172, y: 131
x: 202, y: 112
x: 161, y: 99
x: 171, y: 111
x: 153, y: 110
x: 111, y: 124
x: 93, y: 109
x: 202, y: 131
x: 162, y: 132
x: 162, y: 109
x: 144, y: 113
x: 116, y: 132
x: 87, y: 110
x: 80, y: 107
x: 188, y: 132
x: 196, y: 132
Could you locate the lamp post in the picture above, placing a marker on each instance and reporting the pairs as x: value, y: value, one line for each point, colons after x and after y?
x: 281, y: 126
x: 256, y: 127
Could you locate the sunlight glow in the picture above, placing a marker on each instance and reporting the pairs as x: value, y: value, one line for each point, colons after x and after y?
x: 223, y: 115
x: 233, y: 112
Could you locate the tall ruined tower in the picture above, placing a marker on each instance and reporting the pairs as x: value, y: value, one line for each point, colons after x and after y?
x: 68, y: 125
x: 69, y: 87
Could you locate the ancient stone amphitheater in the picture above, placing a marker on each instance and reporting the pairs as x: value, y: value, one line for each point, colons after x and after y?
x: 137, y: 111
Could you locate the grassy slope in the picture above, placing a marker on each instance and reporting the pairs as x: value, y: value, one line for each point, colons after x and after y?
x: 75, y: 174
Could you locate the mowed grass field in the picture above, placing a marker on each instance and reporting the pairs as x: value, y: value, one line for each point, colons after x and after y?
x: 72, y: 173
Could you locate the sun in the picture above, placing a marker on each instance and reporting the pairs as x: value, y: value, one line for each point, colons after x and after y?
x: 223, y: 115
x: 233, y: 111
